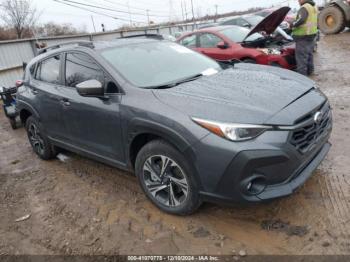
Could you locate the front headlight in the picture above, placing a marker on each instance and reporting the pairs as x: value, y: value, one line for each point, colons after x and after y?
x: 233, y: 132
x: 273, y: 51
x: 270, y: 51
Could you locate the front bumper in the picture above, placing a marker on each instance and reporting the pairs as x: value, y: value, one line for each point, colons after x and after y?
x: 225, y: 168
x: 296, y: 180
x: 285, y: 60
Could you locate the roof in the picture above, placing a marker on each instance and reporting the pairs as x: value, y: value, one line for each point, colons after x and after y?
x: 218, y: 28
x: 123, y: 41
x: 93, y: 45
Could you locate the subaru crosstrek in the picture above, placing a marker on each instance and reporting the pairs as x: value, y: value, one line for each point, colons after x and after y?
x: 189, y: 129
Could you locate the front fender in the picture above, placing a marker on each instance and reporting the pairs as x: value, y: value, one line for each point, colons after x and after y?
x: 142, y: 126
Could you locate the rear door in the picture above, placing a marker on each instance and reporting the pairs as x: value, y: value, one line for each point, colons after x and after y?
x: 93, y: 123
x: 45, y: 91
x: 208, y: 45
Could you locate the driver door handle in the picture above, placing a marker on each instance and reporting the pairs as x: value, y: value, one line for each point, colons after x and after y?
x: 65, y: 102
x: 34, y: 90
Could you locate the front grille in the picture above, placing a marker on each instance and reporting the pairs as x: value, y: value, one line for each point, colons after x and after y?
x: 310, y: 131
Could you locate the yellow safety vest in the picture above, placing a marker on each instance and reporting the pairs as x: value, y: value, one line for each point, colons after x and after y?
x: 310, y: 25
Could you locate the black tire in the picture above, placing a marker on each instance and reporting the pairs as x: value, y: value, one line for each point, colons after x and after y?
x: 185, y: 198
x: 13, y: 123
x: 38, y: 140
x: 249, y: 61
x: 331, y: 20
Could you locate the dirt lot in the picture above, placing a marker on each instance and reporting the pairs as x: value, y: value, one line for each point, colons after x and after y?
x: 79, y: 206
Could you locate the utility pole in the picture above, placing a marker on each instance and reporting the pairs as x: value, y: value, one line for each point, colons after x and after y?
x: 192, y: 10
x: 129, y: 13
x: 185, y: 10
x: 216, y: 13
x: 171, y: 10
x: 182, y: 11
x: 93, y: 23
x: 147, y: 11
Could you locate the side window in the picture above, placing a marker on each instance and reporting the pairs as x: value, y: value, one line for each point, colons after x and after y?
x: 230, y: 22
x: 189, y: 41
x: 80, y: 68
x: 49, y: 70
x: 209, y: 40
x: 243, y: 23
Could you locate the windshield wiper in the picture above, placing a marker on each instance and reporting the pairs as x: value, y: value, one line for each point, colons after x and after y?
x: 175, y: 83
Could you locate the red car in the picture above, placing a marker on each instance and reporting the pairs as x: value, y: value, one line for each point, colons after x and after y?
x: 227, y: 43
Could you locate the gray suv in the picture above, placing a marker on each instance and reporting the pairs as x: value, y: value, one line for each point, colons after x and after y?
x: 190, y: 130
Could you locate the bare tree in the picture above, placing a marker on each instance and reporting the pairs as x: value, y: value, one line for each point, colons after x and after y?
x: 19, y: 14
x: 53, y: 29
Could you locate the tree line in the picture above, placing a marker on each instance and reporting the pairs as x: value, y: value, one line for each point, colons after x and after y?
x: 20, y: 21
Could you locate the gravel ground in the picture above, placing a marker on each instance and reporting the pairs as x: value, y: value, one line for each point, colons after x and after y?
x: 78, y: 206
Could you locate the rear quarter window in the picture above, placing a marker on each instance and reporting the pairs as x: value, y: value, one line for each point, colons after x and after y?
x: 49, y: 70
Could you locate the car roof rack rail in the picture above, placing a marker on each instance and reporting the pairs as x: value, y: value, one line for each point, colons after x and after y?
x: 79, y: 43
x: 156, y: 36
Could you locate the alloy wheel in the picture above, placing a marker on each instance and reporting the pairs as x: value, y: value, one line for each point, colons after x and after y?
x: 165, y: 180
x: 35, y: 139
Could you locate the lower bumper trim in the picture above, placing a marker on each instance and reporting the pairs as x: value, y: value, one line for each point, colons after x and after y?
x: 288, y: 188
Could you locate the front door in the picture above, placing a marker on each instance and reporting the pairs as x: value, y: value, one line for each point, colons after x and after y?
x: 207, y: 45
x: 94, y: 123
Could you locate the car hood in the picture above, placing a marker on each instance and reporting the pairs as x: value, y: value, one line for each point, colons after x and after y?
x: 270, y: 23
x: 249, y: 94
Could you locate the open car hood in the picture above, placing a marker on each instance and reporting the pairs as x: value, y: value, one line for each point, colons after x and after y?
x: 271, y: 22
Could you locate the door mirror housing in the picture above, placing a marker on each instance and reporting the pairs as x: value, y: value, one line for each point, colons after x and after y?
x: 91, y: 87
x: 222, y: 45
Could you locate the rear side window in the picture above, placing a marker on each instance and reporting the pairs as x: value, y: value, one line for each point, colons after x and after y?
x: 80, y: 68
x: 49, y: 70
x: 189, y: 41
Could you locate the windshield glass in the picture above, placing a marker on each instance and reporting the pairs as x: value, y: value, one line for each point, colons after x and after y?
x: 154, y: 64
x: 254, y: 20
x: 238, y: 34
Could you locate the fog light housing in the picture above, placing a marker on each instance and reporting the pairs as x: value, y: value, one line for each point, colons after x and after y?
x: 254, y: 185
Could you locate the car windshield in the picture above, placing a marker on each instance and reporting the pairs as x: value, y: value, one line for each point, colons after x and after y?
x: 160, y: 63
x: 254, y: 19
x: 238, y: 34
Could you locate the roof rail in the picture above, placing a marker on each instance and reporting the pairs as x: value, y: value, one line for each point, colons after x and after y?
x: 79, y: 43
x: 156, y: 36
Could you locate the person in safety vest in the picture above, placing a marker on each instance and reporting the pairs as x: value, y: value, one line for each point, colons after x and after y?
x: 304, y: 33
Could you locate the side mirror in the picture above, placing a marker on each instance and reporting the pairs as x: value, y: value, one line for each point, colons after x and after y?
x: 222, y: 45
x: 91, y: 87
x: 246, y: 25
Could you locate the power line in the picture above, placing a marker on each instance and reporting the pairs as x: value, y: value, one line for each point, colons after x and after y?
x: 96, y: 12
x: 132, y: 7
x: 109, y: 9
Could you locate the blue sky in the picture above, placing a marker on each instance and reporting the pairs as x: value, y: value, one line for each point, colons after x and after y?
x: 159, y: 10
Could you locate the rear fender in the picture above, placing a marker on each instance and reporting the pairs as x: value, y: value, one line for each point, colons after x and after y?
x: 23, y: 105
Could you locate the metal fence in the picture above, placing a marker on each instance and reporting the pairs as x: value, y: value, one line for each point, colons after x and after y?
x: 14, y: 52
